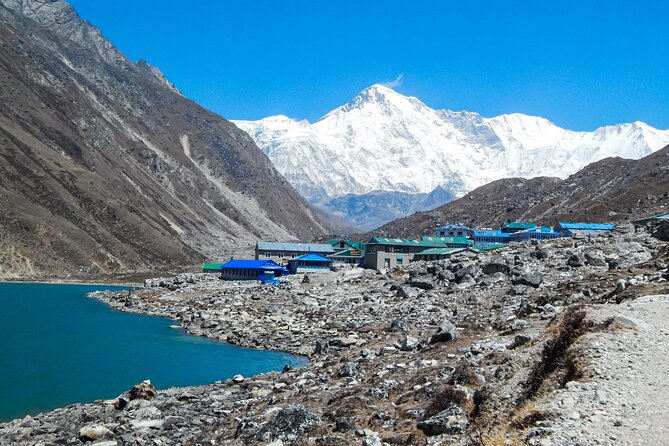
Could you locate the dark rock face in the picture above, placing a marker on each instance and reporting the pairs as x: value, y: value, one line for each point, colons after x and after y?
x: 289, y: 424
x: 144, y: 390
x: 398, y: 325
x: 105, y: 167
x: 445, y: 332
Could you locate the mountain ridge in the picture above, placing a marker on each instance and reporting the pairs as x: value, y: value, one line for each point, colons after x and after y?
x: 384, y: 142
x: 606, y: 191
x: 106, y: 168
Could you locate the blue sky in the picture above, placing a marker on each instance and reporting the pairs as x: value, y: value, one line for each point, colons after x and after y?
x: 580, y: 64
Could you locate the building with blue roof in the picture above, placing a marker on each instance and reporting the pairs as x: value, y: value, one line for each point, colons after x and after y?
x: 309, y: 263
x: 488, y: 236
x: 262, y: 270
x: 568, y: 228
x: 537, y: 233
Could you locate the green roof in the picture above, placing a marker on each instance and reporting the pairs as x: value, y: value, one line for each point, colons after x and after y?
x: 519, y: 225
x: 448, y: 240
x: 489, y: 246
x: 405, y: 242
x: 345, y: 253
x: 211, y: 266
x: 352, y: 244
x: 439, y: 251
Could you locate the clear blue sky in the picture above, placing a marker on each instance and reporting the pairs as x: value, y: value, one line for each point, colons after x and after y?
x: 580, y: 64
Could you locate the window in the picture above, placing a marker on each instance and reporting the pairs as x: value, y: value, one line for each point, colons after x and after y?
x: 292, y: 255
x: 399, y: 260
x: 268, y: 255
x: 280, y: 255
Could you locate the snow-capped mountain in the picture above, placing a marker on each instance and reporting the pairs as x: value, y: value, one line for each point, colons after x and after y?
x: 384, y: 155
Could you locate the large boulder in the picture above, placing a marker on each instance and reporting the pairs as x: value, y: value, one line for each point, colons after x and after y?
x: 495, y: 267
x: 94, y: 432
x: 289, y: 424
x: 450, y: 421
x: 532, y: 278
x: 424, y: 282
x: 407, y: 292
x: 399, y: 325
x: 446, y: 331
x: 143, y: 390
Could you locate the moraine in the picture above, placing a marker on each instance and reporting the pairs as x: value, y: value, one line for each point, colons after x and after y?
x: 60, y: 347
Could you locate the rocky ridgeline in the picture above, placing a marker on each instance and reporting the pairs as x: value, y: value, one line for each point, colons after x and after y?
x: 433, y: 353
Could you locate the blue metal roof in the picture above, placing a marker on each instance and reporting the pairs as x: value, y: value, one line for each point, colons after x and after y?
x: 490, y: 233
x: 313, y: 257
x: 251, y: 264
x: 587, y: 226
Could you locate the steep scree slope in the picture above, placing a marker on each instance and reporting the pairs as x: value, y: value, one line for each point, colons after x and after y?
x: 106, y: 167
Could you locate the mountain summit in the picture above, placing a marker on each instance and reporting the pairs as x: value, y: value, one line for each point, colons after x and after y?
x: 384, y: 155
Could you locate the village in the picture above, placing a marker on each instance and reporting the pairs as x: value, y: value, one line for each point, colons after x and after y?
x: 274, y: 260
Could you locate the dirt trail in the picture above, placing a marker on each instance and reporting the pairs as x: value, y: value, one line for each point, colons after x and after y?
x: 626, y: 402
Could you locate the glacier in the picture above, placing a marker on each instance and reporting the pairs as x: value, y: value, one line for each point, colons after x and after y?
x: 385, y: 155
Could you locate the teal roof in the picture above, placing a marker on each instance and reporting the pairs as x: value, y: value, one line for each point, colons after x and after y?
x: 448, y: 240
x: 439, y: 251
x: 586, y: 226
x: 312, y: 258
x: 489, y: 246
x: 519, y: 225
x: 405, y: 242
x: 211, y: 266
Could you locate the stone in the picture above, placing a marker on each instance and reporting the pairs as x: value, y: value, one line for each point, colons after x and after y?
x: 398, y: 325
x: 238, y: 379
x: 446, y: 331
x: 407, y: 292
x: 532, y: 278
x: 495, y: 267
x: 575, y: 261
x: 520, y: 290
x: 595, y: 259
x: 349, y: 369
x: 422, y: 282
x: 450, y: 421
x: 344, y: 424
x: 289, y: 424
x: 94, y: 432
x: 144, y: 390
x: 409, y: 343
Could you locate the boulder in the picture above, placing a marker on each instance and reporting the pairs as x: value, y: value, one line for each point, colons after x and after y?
x: 144, y: 390
x: 595, y: 259
x: 94, y: 432
x: 450, y: 421
x: 575, y: 261
x: 423, y: 282
x: 349, y: 369
x: 495, y: 267
x: 399, y: 325
x: 407, y: 292
x: 532, y: 278
x: 446, y: 331
x: 289, y: 424
x: 408, y: 343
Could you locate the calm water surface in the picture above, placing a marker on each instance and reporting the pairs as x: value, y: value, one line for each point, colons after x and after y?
x: 59, y: 347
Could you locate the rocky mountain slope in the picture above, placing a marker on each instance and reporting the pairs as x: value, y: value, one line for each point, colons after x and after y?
x: 609, y: 190
x: 106, y: 167
x: 382, y: 155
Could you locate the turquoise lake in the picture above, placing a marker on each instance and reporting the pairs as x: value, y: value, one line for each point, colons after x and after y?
x: 58, y: 347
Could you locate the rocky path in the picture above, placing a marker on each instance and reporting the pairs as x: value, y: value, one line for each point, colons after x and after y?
x: 625, y: 400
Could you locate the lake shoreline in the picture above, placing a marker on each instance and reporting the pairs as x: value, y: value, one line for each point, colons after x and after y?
x: 425, y: 354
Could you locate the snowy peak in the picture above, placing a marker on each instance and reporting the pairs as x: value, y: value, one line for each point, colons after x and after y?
x: 383, y: 143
